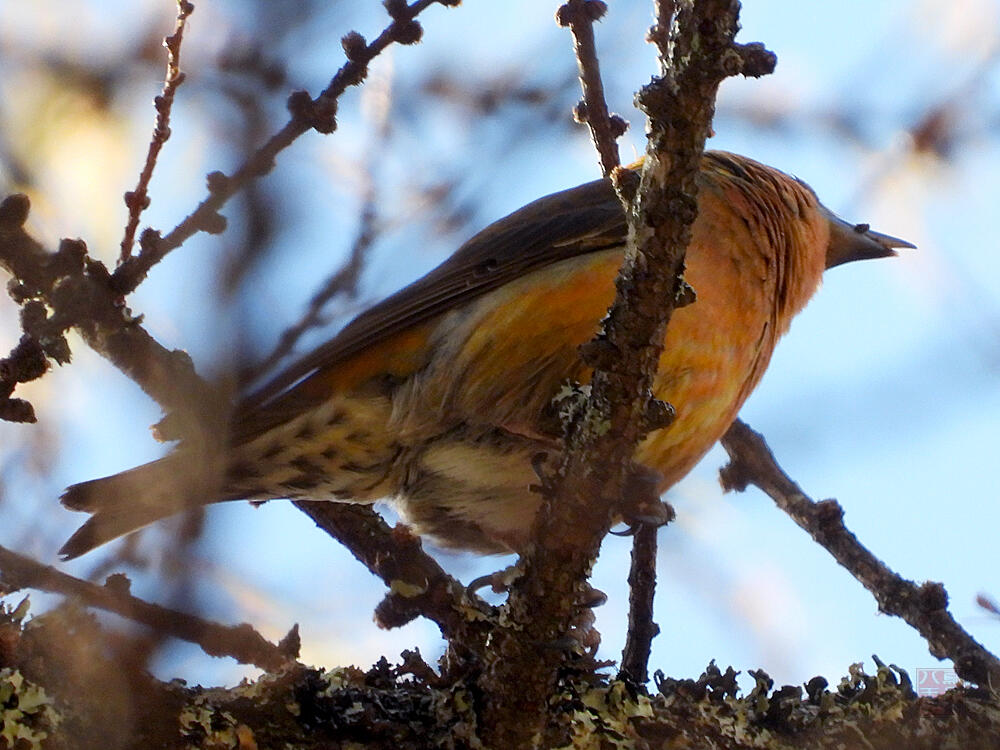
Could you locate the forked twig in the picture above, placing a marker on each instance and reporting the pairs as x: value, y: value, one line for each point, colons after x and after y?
x: 306, y: 113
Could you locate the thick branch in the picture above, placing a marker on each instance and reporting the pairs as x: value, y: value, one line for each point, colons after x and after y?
x: 78, y: 293
x: 581, y: 502
x: 924, y: 607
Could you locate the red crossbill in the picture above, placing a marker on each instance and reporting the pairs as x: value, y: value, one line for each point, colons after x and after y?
x: 439, y: 397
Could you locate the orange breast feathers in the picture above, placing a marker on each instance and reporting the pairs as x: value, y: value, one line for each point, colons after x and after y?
x: 500, y: 360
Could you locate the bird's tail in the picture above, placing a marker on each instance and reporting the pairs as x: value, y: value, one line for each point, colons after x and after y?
x: 126, y: 502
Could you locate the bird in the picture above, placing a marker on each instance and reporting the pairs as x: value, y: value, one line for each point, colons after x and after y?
x: 439, y: 398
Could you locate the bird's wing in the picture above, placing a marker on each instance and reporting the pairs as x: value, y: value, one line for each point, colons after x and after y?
x: 581, y: 220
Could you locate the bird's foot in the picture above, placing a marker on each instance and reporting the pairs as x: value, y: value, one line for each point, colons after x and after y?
x: 499, y: 582
x: 641, y: 504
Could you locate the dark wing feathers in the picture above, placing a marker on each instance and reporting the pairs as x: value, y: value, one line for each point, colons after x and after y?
x: 581, y: 220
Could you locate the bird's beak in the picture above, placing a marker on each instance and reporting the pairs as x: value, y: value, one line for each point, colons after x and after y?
x: 849, y: 242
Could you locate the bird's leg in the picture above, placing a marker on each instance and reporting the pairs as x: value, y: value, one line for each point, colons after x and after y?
x: 501, y: 581
x: 641, y: 502
x: 538, y: 465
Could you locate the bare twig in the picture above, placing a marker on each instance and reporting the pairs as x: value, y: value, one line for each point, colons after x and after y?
x: 605, y: 129
x: 241, y: 642
x: 583, y: 498
x: 924, y: 607
x: 306, y: 114
x: 642, y: 587
x: 138, y: 200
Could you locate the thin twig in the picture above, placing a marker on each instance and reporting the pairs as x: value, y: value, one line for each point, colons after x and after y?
x: 138, y: 200
x: 924, y: 607
x: 306, y: 114
x: 343, y: 281
x: 642, y: 588
x: 605, y: 129
x: 241, y: 642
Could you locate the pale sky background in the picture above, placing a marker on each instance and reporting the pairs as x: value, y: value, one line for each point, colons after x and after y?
x: 884, y: 395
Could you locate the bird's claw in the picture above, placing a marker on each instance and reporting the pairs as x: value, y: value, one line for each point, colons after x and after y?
x: 499, y: 581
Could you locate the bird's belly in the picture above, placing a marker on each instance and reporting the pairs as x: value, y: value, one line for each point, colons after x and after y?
x: 475, y: 490
x: 708, y: 368
x: 471, y: 491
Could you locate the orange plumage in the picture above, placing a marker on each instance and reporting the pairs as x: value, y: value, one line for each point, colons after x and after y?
x: 439, y: 397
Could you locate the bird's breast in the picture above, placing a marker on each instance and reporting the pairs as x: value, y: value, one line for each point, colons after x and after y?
x: 500, y: 361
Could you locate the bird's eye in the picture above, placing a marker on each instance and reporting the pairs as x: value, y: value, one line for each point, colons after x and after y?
x: 487, y: 267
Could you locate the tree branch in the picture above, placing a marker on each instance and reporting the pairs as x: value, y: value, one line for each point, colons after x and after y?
x: 241, y: 642
x: 605, y: 129
x: 417, y: 584
x: 78, y: 293
x: 924, y: 607
x: 306, y: 114
x: 584, y: 497
x: 642, y: 588
x: 137, y: 200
